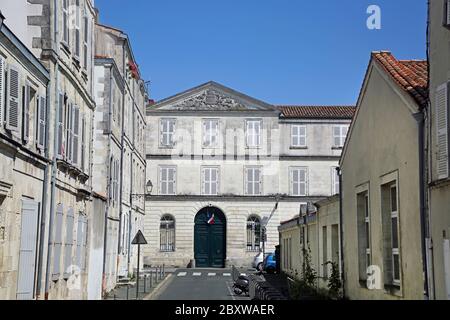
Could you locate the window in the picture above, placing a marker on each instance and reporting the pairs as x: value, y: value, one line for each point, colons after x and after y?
x: 27, y: 98
x: 253, y: 181
x: 299, y: 182
x: 167, y: 132
x: 253, y: 129
x: 339, y: 135
x: 391, y: 239
x: 77, y: 43
x: 334, y: 181
x: 210, y: 133
x: 298, y: 136
x: 65, y: 21
x: 253, y: 234
x: 167, y: 180
x: 210, y: 181
x: 86, y: 38
x: 167, y: 234
x: 364, y: 235
x: 442, y: 125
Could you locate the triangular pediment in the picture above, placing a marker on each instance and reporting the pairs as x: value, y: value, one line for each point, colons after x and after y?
x: 212, y: 97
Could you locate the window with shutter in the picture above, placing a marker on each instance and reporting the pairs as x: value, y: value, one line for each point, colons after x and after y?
x: 77, y: 42
x: 57, y: 241
x: 13, y: 100
x: 253, y: 181
x: 167, y: 178
x: 69, y: 131
x: 210, y: 133
x: 85, y: 40
x: 26, y: 101
x: 68, y: 244
x: 210, y: 183
x: 2, y: 90
x: 298, y: 136
x: 253, y: 132
x: 76, y: 132
x: 41, y: 122
x: 81, y: 242
x: 167, y: 132
x: 61, y: 130
x: 299, y: 182
x: 83, y: 144
x: 441, y: 104
x: 65, y: 21
x: 334, y: 181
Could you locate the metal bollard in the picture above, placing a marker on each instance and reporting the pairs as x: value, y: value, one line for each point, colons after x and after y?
x: 145, y: 283
x: 160, y: 273
x: 156, y: 275
x: 128, y: 289
x: 164, y: 271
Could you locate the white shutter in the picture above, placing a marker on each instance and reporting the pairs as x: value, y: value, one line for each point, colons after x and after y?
x: 83, y: 143
x: 76, y: 133
x: 204, y: 180
x: 68, y: 245
x: 2, y: 90
x: 61, y: 148
x: 13, y: 100
x: 442, y: 131
x: 41, y: 125
x: 447, y: 15
x: 69, y: 131
x: 26, y: 114
x: 57, y: 242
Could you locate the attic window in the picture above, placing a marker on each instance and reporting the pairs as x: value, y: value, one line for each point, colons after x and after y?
x: 210, y: 97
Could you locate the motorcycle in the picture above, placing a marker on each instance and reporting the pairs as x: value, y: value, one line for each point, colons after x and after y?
x: 241, y: 282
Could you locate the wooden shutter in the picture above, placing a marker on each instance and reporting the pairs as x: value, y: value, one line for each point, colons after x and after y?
x: 83, y: 144
x: 26, y: 113
x: 2, y: 90
x: 81, y: 241
x: 69, y: 131
x: 442, y: 131
x: 57, y: 242
x: 60, y: 137
x: 13, y: 100
x: 303, y: 181
x: 76, y: 133
x: 41, y: 125
x: 68, y: 244
x: 27, y: 252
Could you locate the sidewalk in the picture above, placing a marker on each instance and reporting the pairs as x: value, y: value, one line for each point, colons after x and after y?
x: 147, y: 283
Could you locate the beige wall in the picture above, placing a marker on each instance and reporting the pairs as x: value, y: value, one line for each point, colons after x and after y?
x: 439, y: 194
x: 383, y: 141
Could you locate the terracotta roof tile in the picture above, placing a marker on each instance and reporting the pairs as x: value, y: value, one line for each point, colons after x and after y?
x: 317, y: 112
x: 410, y: 75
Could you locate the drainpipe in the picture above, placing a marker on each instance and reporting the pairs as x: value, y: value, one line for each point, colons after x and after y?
x: 44, y: 200
x: 55, y: 152
x: 341, y: 228
x: 109, y: 176
x: 419, y: 117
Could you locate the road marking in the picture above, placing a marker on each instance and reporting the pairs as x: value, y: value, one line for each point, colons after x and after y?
x: 197, y: 274
x: 211, y: 274
x: 230, y: 291
x: 181, y: 274
x: 227, y: 274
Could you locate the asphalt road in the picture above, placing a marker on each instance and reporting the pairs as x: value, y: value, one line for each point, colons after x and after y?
x: 199, y: 284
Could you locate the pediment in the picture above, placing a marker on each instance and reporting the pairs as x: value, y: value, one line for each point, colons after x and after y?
x: 212, y: 97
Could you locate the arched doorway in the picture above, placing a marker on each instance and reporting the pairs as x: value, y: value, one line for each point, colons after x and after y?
x: 210, y: 238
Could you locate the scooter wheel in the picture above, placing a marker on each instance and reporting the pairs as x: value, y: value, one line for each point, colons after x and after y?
x: 237, y: 291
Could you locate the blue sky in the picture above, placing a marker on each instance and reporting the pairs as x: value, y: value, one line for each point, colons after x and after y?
x: 279, y: 51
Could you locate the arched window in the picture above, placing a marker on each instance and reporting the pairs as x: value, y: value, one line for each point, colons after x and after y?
x: 253, y: 233
x: 167, y: 233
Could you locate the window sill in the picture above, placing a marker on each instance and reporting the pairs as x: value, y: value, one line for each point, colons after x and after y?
x: 393, y: 289
x: 336, y: 148
x: 166, y: 147
x: 298, y: 148
x: 65, y: 48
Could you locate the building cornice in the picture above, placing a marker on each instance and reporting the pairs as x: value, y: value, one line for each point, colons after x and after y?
x: 262, y: 198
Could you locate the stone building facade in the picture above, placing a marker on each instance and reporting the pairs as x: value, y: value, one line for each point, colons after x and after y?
x: 24, y: 164
x: 60, y: 35
x: 119, y: 153
x: 381, y: 197
x: 224, y: 165
x: 438, y: 143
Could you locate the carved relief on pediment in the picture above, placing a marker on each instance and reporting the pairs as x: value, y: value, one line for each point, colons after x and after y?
x: 211, y: 100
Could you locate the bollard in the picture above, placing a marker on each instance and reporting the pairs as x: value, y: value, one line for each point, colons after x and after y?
x: 128, y: 289
x: 145, y: 283
x: 151, y: 279
x: 160, y: 273
x: 164, y: 271
x: 156, y: 275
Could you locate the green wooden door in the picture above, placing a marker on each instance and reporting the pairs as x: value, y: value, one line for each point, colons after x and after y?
x: 210, y: 239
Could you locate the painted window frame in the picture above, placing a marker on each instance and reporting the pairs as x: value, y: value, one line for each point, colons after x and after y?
x: 341, y: 136
x: 299, y: 182
x: 255, y: 135
x: 167, y: 231
x: 161, y: 182
x: 170, y: 134
x: 253, y: 181
x: 298, y: 136
x: 204, y: 190
x: 210, y: 134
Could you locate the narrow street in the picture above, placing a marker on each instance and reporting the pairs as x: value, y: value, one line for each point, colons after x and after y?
x: 199, y: 284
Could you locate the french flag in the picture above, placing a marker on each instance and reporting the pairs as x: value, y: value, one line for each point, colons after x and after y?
x: 211, y: 218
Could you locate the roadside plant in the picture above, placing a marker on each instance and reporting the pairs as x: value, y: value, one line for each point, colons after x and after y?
x: 334, y: 281
x: 309, y: 275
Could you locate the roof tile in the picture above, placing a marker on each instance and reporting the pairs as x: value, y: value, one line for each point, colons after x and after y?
x: 317, y: 112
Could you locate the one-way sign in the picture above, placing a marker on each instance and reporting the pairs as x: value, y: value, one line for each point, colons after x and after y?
x: 139, y: 238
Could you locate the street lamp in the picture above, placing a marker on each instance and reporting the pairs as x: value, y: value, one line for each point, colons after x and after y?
x: 148, y: 189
